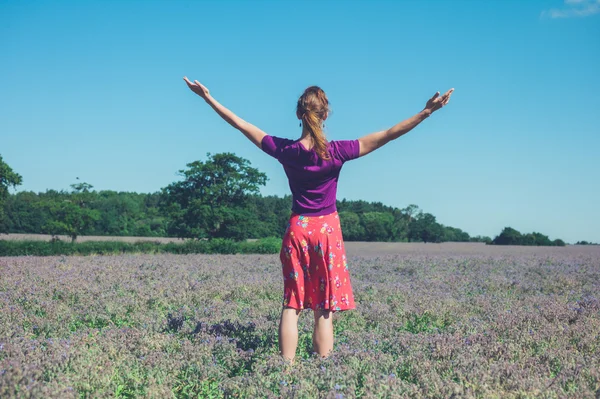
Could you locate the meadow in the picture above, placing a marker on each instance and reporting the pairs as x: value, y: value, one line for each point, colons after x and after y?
x: 432, y: 321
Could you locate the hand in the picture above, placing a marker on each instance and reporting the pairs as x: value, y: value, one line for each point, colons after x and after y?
x: 197, y: 88
x: 436, y: 102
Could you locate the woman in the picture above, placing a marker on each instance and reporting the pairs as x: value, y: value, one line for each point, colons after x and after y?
x: 313, y: 258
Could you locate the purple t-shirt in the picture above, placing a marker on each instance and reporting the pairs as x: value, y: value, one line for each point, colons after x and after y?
x: 313, y: 181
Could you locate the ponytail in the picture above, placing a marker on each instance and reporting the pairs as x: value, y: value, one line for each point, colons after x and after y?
x: 313, y: 107
x: 314, y: 127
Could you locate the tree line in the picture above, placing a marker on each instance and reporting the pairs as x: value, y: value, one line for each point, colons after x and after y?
x: 217, y: 198
x: 510, y: 236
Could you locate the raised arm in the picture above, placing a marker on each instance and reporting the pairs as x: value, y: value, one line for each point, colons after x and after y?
x: 253, y: 133
x: 373, y: 141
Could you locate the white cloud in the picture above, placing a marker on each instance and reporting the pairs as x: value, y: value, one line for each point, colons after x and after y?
x: 574, y: 8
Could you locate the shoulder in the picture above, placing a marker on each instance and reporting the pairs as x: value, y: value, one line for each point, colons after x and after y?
x: 345, y: 150
x: 275, y: 141
x: 273, y: 145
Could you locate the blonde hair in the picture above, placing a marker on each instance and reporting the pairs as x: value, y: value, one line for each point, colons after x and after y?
x: 313, y: 108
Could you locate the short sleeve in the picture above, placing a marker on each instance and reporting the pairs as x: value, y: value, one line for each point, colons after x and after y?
x: 273, y: 145
x: 347, y: 150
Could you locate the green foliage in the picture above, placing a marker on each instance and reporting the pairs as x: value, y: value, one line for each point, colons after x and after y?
x: 269, y: 245
x: 68, y: 218
x: 236, y: 223
x: 210, y: 200
x: 273, y: 214
x: 377, y: 225
x: 8, y: 178
x: 424, y: 228
x: 425, y: 322
x: 510, y: 236
x: 113, y: 213
x: 219, y: 198
x: 454, y: 234
x: 214, y: 246
x: 400, y: 225
x: 190, y: 384
x: 351, y: 226
x: 150, y: 215
x: 22, y: 213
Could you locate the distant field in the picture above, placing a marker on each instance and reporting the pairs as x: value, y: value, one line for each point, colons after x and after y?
x: 46, y: 237
x: 432, y: 321
x: 462, y: 248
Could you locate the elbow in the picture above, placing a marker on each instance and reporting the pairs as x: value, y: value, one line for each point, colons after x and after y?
x: 385, y: 138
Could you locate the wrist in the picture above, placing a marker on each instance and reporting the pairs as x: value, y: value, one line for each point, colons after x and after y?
x: 426, y: 113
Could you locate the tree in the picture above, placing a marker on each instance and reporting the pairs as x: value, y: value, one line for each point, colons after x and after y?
x: 377, y: 225
x: 68, y: 218
x: 8, y: 178
x: 527, y: 239
x: 352, y: 229
x: 508, y: 236
x: 400, y: 226
x: 22, y: 213
x: 454, y: 234
x: 202, y: 204
x: 540, y: 239
x: 70, y: 213
x: 424, y: 228
x: 120, y: 213
x: 274, y: 214
x: 411, y: 212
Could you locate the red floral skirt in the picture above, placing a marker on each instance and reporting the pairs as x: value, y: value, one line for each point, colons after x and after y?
x: 314, y: 264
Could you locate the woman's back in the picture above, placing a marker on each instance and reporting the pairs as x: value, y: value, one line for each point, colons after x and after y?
x: 312, y: 179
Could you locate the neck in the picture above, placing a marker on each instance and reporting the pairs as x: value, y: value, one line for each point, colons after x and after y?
x: 305, y: 134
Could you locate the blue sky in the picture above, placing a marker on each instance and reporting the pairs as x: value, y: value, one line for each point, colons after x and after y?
x: 94, y: 90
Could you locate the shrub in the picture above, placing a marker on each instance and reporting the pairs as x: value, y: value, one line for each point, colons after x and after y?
x: 215, y: 246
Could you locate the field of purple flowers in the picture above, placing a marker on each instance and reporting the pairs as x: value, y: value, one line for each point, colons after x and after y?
x: 435, y: 321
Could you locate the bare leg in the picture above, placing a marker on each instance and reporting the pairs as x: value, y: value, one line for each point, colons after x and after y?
x: 288, y: 333
x: 323, y: 333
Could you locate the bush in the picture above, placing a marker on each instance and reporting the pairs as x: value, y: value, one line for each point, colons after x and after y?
x: 269, y: 245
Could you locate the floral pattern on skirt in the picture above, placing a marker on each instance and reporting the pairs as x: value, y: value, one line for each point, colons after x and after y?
x: 314, y: 264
